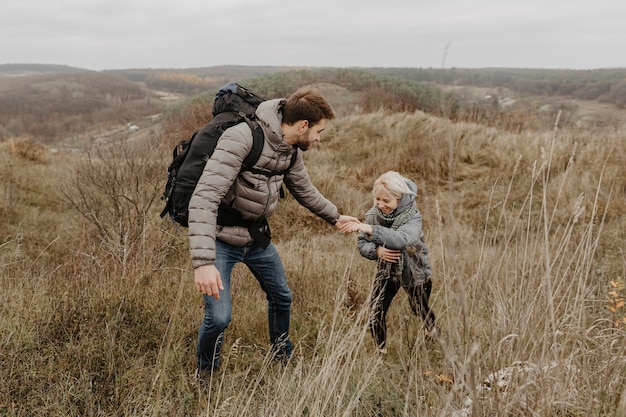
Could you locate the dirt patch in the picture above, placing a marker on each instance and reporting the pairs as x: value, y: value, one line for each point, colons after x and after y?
x: 596, y: 113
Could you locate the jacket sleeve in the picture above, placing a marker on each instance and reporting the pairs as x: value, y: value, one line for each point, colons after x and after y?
x: 219, y: 173
x: 408, y: 234
x: 300, y: 186
x: 367, y: 248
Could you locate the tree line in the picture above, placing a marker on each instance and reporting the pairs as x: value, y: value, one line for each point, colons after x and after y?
x: 52, y: 106
x: 604, y: 85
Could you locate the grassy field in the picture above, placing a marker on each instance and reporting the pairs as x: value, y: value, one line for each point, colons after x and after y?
x: 526, y: 232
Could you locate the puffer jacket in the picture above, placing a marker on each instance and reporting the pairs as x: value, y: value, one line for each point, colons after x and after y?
x: 254, y: 195
x: 408, y: 237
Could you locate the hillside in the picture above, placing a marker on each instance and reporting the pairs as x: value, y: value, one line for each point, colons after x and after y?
x: 63, y: 106
x: 604, y: 85
x: 99, y: 313
x: 22, y: 70
x: 190, y: 81
x: 53, y: 108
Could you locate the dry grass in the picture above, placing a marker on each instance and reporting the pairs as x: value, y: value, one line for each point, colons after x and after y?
x: 526, y: 232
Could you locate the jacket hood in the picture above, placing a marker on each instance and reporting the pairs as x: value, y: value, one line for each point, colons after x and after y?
x: 270, y: 116
x: 407, y: 200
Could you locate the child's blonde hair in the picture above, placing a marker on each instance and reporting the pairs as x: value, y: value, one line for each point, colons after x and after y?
x: 394, y: 183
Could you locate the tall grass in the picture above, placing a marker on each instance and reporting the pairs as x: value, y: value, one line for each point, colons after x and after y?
x: 526, y: 233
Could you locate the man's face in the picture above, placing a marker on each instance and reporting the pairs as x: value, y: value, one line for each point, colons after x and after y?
x: 310, y: 134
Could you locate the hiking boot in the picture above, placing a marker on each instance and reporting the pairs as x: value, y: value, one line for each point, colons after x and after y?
x: 202, y: 378
x: 281, y: 352
x: 281, y: 357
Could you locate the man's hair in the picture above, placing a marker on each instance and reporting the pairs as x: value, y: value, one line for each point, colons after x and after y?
x: 307, y: 104
x: 394, y: 183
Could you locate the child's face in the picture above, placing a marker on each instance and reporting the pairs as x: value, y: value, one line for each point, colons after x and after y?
x: 385, y: 201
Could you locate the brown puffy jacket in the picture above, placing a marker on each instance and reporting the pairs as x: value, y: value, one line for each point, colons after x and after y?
x: 255, y: 196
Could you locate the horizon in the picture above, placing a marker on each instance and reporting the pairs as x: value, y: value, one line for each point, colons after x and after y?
x: 306, y: 66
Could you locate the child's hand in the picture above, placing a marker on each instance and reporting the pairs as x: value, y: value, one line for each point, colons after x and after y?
x: 356, y: 227
x: 389, y: 255
x: 346, y: 224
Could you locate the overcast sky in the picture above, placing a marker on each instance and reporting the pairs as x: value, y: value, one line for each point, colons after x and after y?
x: 121, y: 34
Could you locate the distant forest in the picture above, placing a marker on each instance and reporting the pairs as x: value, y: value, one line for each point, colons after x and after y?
x: 51, y: 102
x: 604, y: 85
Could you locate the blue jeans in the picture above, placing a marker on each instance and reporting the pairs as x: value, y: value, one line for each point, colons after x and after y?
x: 267, y: 268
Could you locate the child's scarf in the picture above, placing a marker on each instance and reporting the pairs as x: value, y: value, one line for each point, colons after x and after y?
x: 392, y: 270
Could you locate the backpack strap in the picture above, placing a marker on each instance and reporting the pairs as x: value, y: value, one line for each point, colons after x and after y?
x: 258, y: 140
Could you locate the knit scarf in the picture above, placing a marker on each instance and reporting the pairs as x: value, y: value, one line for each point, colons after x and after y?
x: 392, y: 270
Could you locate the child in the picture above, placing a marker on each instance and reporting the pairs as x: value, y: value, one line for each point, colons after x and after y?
x: 392, y: 235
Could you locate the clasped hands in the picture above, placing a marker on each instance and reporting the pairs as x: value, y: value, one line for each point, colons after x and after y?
x: 348, y: 224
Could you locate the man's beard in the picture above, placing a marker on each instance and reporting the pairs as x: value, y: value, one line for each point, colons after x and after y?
x: 303, y: 143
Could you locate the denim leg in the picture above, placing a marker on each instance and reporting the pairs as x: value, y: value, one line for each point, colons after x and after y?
x: 267, y: 267
x: 217, y: 313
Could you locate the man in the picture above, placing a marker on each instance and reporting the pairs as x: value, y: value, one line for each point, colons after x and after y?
x: 229, y: 207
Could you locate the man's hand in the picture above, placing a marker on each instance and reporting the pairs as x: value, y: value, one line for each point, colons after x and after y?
x: 345, y: 223
x: 208, y: 280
